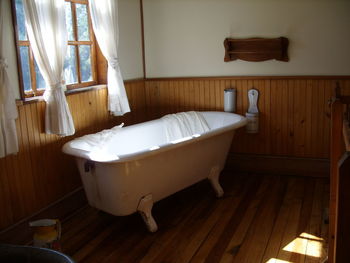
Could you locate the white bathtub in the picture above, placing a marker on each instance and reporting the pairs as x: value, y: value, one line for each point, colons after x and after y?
x: 139, y: 167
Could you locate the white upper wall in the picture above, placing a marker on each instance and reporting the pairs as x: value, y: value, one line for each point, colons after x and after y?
x: 185, y: 37
x: 130, y: 43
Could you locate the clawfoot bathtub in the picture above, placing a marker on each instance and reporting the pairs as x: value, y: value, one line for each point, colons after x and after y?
x: 138, y: 166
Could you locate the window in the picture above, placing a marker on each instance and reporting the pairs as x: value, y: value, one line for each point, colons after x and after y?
x: 80, y: 63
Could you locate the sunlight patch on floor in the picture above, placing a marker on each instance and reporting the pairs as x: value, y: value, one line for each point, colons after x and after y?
x: 306, y: 244
x: 309, y: 236
x: 276, y: 260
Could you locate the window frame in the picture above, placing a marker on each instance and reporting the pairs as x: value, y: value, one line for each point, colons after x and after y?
x: 93, y: 53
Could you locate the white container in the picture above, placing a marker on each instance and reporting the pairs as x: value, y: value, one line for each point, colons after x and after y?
x: 253, y: 122
x: 230, y: 100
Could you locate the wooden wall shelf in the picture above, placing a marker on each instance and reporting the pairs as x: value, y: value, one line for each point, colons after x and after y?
x: 256, y: 49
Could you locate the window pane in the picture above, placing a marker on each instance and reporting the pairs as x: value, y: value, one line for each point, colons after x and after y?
x: 85, y: 63
x: 25, y: 68
x: 69, y: 22
x: 82, y: 21
x: 22, y: 35
x: 40, y: 82
x: 70, y: 66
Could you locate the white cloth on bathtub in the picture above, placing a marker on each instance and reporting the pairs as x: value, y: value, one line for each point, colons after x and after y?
x: 96, y: 141
x: 184, y: 124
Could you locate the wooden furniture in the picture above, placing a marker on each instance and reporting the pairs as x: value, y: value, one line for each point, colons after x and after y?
x: 256, y: 49
x: 340, y: 180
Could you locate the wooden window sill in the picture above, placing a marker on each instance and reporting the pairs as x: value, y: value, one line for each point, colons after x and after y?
x: 29, y: 100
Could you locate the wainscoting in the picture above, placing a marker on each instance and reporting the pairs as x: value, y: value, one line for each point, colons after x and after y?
x: 294, y: 122
x: 294, y: 112
x: 40, y: 173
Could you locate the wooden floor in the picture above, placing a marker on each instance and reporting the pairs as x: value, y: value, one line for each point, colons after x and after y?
x: 260, y: 219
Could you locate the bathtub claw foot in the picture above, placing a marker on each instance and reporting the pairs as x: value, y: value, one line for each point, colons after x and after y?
x: 145, y: 209
x: 214, y: 180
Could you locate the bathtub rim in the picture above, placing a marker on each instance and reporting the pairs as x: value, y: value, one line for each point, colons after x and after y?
x: 242, y: 121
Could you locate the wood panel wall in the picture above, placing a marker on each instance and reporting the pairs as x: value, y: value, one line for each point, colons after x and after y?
x: 40, y: 174
x: 294, y: 121
x: 294, y: 112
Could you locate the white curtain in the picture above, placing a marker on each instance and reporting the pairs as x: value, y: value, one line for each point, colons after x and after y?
x: 104, y: 15
x: 46, y: 28
x: 8, y: 108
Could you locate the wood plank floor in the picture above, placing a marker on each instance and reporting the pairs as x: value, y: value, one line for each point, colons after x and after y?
x: 260, y: 219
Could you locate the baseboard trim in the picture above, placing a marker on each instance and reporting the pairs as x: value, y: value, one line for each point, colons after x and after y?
x: 21, y: 234
x: 278, y: 165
